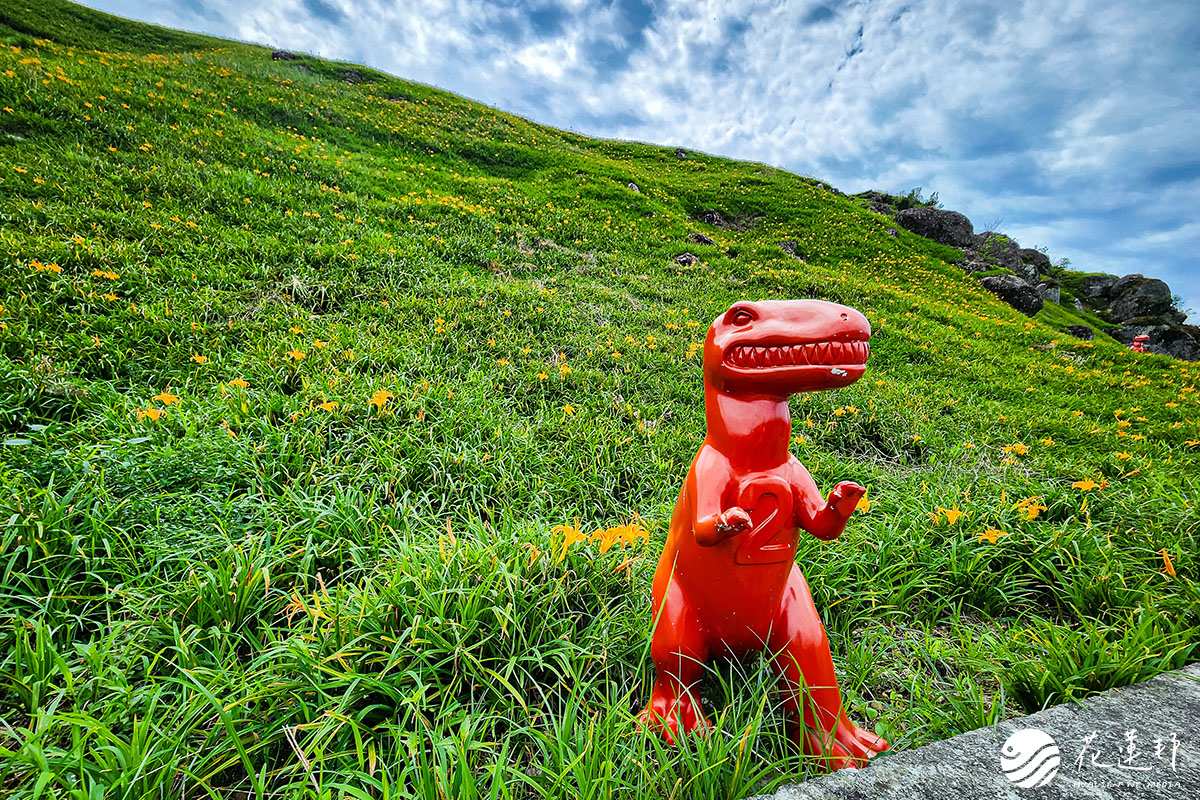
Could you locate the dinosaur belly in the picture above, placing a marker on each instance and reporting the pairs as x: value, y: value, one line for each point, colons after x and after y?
x: 735, y: 587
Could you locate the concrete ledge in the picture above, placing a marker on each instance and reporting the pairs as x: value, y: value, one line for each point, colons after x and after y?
x: 1160, y: 718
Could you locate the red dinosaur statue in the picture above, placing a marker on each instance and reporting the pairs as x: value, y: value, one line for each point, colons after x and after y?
x: 727, y: 581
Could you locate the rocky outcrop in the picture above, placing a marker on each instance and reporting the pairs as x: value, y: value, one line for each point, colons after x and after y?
x: 1049, y: 291
x: 1096, y: 285
x: 944, y: 227
x: 1143, y: 307
x: 687, y: 259
x: 1014, y: 291
x: 1026, y: 279
x: 283, y: 55
x: 1037, y: 259
x: 1139, y: 297
x: 1168, y: 338
x: 1000, y: 252
x: 699, y: 238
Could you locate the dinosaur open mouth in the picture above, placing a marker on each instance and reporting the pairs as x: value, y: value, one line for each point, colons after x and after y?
x: 799, y: 355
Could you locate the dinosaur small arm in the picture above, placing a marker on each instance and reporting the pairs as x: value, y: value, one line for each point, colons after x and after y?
x: 727, y: 582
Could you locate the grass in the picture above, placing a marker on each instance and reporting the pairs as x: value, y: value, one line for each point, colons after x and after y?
x: 301, y: 379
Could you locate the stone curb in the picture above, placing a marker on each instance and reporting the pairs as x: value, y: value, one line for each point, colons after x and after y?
x: 1093, y: 738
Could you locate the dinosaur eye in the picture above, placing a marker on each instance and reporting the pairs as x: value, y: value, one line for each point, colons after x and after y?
x: 740, y: 316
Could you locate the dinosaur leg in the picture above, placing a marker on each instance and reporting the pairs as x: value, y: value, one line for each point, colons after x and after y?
x: 679, y: 652
x: 816, y: 719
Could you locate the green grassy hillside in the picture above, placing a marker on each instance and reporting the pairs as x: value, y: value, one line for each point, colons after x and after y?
x: 309, y: 376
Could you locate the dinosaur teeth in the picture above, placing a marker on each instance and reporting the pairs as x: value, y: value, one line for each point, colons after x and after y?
x: 789, y: 355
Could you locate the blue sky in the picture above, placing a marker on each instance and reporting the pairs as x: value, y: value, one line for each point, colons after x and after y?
x: 1068, y: 124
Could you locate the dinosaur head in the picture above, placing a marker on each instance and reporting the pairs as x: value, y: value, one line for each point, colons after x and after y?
x: 781, y: 347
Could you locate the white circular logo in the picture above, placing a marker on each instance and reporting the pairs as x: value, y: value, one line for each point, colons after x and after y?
x: 1029, y: 758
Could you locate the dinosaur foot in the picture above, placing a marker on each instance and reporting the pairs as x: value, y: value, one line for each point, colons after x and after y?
x: 669, y: 714
x: 846, y: 745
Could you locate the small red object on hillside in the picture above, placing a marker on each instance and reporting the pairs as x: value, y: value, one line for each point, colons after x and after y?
x: 727, y: 582
x: 1139, y: 343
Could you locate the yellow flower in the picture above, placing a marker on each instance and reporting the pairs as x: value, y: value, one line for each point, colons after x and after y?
x: 952, y: 514
x: 1030, y: 507
x: 167, y: 399
x: 1085, y: 485
x: 319, y: 344
x: 571, y: 534
x: 296, y: 355
x: 1168, y: 567
x: 199, y: 359
x: 1123, y: 456
x: 152, y: 413
x: 542, y: 376
x: 328, y: 406
x: 239, y: 383
x: 992, y: 535
x: 568, y: 411
x: 607, y: 538
x: 380, y: 398
x: 1048, y: 441
x: 296, y: 329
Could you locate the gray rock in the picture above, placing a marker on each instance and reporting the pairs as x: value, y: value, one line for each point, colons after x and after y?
x: 699, y: 238
x: 1037, y: 259
x: 283, y: 55
x: 1177, y: 341
x: 1092, y: 740
x: 1125, y: 283
x: 714, y: 217
x: 1014, y: 291
x: 687, y: 259
x: 1145, y: 298
x: 1081, y: 332
x: 633, y: 187
x: 1097, y: 286
x: 1078, y: 305
x: 681, y: 153
x: 791, y: 248
x: 1003, y: 253
x: 971, y: 263
x: 1049, y: 291
x: 892, y: 232
x: 881, y: 208
x: 944, y: 227
x: 353, y: 75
